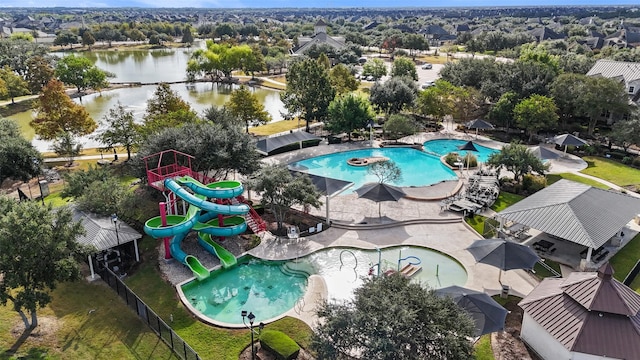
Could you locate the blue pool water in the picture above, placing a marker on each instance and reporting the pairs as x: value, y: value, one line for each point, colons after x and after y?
x: 444, y: 146
x: 271, y: 288
x: 418, y: 168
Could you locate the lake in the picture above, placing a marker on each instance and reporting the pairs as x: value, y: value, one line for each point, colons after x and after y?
x: 150, y: 66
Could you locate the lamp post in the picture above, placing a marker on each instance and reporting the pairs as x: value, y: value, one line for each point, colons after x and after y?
x: 251, y: 318
x: 114, y: 220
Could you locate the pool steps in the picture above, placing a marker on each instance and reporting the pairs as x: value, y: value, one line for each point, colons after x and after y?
x: 297, y: 269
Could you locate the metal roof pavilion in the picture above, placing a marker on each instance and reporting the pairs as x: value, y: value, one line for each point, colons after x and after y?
x: 575, y: 212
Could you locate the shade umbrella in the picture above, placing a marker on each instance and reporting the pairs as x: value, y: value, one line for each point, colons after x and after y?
x: 503, y: 254
x: 479, y: 124
x: 330, y: 187
x: 568, y: 139
x: 543, y: 153
x: 468, y: 146
x: 380, y: 192
x: 488, y: 316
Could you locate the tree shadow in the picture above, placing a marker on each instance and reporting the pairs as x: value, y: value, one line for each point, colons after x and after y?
x: 19, y: 342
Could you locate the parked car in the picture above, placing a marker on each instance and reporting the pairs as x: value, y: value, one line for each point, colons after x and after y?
x: 370, y: 78
x: 427, y: 66
x: 427, y: 84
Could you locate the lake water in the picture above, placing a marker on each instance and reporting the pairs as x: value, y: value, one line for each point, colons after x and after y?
x: 150, y: 66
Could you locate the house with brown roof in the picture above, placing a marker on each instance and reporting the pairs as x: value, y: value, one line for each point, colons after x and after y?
x: 586, y: 316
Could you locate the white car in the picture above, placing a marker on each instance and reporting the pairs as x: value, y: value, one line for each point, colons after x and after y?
x: 370, y: 78
x: 427, y: 84
x: 427, y: 66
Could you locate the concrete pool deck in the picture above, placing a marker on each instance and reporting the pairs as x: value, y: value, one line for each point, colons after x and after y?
x: 422, y: 205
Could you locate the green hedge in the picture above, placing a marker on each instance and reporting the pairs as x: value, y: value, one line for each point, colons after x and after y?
x: 279, y: 344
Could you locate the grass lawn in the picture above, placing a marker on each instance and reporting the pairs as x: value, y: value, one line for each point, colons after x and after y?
x: 483, y: 348
x: 552, y: 178
x: 210, y: 342
x: 542, y: 272
x: 625, y: 259
x: 276, y: 127
x: 70, y: 330
x: 505, y: 199
x: 615, y: 172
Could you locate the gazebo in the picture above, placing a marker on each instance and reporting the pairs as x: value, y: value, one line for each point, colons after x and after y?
x: 106, y: 234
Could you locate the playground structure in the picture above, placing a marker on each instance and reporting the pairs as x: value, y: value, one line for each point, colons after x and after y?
x: 226, y: 215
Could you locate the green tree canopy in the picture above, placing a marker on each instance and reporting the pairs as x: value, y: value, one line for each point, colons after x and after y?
x: 517, y: 159
x: 38, y: 249
x: 399, y: 125
x: 347, y: 113
x: 80, y: 72
x: 308, y: 92
x: 386, y: 171
x: 536, y: 113
x: 403, y: 66
x: 342, y: 80
x: 280, y: 190
x: 245, y: 106
x: 393, y: 95
x: 57, y: 113
x: 392, y: 318
x: 18, y: 158
x: 39, y: 71
x: 436, y: 101
x: 165, y: 110
x: 502, y: 111
x: 120, y: 129
x: 375, y: 68
x: 14, y: 83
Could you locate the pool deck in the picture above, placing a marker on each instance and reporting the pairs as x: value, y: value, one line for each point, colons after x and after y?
x: 415, y: 220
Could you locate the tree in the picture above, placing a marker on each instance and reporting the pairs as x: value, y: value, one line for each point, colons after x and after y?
x: 38, y: 249
x: 436, y: 101
x: 323, y: 60
x: 392, y: 96
x: 87, y: 39
x: 415, y: 42
x: 535, y: 113
x: 219, y: 60
x: 19, y: 160
x: 246, y: 106
x: 399, y: 125
x: 626, y: 132
x: 166, y: 109
x: 15, y: 85
x: 57, y: 113
x: 280, y: 190
x: 468, y: 103
x: 347, y: 113
x: 66, y: 146
x: 80, y: 72
x: 502, y: 111
x: 187, y: 36
x: 119, y: 129
x: 220, y: 149
x: 375, y: 68
x: 386, y: 171
x: 77, y: 182
x: 66, y: 37
x: 342, y: 80
x: 16, y: 53
x: 308, y: 92
x: 517, y: 159
x: 103, y: 197
x: 403, y: 66
x: 39, y: 72
x: 603, y: 95
x: 392, y: 318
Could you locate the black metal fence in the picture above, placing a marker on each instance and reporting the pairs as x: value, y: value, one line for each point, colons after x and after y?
x: 164, y: 331
x: 632, y: 274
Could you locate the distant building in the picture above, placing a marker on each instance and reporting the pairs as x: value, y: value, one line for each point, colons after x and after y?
x: 319, y: 37
x: 586, y: 316
x: 626, y: 72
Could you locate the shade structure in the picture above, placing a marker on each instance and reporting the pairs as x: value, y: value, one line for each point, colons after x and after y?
x: 479, y: 124
x: 329, y: 187
x: 543, y: 153
x: 380, y: 192
x: 266, y: 145
x: 468, y: 146
x: 568, y: 139
x: 488, y: 316
x: 503, y: 254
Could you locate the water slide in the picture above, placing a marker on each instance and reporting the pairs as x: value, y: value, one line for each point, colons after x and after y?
x: 178, y: 226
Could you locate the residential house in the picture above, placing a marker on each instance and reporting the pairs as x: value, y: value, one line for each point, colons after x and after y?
x: 626, y: 72
x: 319, y: 37
x: 585, y: 316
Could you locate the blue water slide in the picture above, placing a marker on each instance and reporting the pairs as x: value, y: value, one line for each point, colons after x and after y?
x: 218, y: 190
x: 201, y: 201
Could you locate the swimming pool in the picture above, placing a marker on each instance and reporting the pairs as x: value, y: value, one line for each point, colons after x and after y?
x: 271, y: 288
x: 444, y: 146
x: 418, y: 168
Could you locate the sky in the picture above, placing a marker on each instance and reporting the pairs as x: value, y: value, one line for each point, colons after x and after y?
x: 298, y: 3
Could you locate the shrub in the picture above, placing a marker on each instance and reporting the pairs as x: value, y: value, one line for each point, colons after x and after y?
x: 636, y: 161
x: 532, y: 183
x: 627, y: 160
x: 590, y: 150
x: 470, y: 160
x: 279, y: 344
x: 451, y: 158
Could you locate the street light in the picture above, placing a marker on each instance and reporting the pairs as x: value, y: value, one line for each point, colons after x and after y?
x: 251, y: 318
x: 114, y: 220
